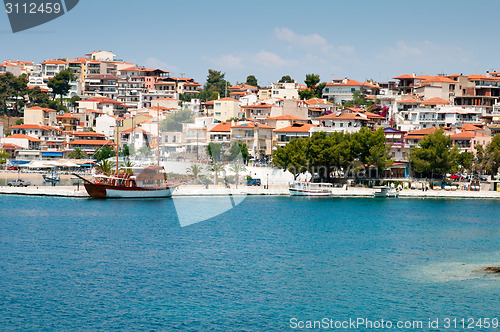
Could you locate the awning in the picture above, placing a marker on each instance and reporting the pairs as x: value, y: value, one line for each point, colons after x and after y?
x: 52, y: 154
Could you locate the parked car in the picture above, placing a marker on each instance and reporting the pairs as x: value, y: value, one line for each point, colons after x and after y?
x: 12, y: 168
x: 253, y: 182
x: 18, y: 183
x: 480, y: 177
x: 455, y: 177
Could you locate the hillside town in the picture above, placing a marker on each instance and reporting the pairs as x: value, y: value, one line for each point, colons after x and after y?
x: 109, y: 100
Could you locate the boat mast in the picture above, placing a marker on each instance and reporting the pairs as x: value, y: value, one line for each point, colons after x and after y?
x: 117, y: 144
x: 158, y: 131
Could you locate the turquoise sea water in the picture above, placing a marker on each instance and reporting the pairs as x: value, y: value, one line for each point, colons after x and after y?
x: 81, y: 264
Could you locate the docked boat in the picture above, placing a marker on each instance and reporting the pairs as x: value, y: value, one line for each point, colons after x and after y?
x: 142, y: 182
x: 303, y: 188
x: 52, y: 177
x: 385, y: 192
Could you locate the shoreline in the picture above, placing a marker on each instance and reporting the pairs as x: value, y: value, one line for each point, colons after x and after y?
x: 200, y: 191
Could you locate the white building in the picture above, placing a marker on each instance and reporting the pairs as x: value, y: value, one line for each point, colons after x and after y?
x: 285, y: 90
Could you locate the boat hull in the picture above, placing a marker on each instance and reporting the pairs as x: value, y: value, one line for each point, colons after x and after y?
x: 300, y: 192
x: 108, y: 191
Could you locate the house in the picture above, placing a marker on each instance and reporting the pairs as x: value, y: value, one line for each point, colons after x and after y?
x: 221, y: 133
x: 45, y: 133
x: 102, y: 104
x: 345, y: 122
x: 340, y: 91
x: 136, y: 138
x: 469, y: 140
x: 284, y: 90
x: 107, y: 124
x: 10, y: 149
x: 296, y: 130
x: 283, y: 121
x: 9, y: 67
x: 412, y: 138
x: 436, y: 87
x: 258, y: 111
x: 40, y: 116
x: 24, y: 141
x: 317, y: 107
x: 101, y: 56
x: 258, y: 137
x: 68, y: 121
x: 90, y: 146
x: 104, y: 85
x: 395, y: 139
x: 226, y: 108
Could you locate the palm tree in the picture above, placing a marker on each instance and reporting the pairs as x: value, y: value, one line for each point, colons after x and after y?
x: 3, y: 156
x: 105, y: 166
x: 78, y: 153
x: 195, y: 171
x: 127, y: 167
x: 216, y: 168
x: 237, y: 169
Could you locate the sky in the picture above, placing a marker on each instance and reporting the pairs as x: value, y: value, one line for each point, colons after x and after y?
x: 268, y: 39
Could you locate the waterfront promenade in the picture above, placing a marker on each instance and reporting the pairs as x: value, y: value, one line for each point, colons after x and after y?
x: 276, y: 190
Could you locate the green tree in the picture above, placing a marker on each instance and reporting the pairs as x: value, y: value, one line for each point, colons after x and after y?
x: 216, y: 86
x: 106, y: 166
x: 60, y: 84
x: 3, y: 156
x: 214, y: 150
x: 78, y: 153
x: 292, y: 157
x: 238, y: 151
x: 127, y: 167
x: 237, y: 169
x: 251, y: 80
x: 216, y: 168
x: 493, y: 150
x: 314, y: 88
x: 37, y: 97
x: 195, y: 171
x: 74, y: 101
x: 378, y: 151
x: 359, y: 99
x: 465, y: 160
x: 104, y: 152
x: 173, y: 122
x: 434, y: 156
x: 12, y: 90
x: 286, y: 79
x: 481, y: 159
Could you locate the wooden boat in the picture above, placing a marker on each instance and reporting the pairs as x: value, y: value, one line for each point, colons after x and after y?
x: 385, y: 192
x: 303, y: 188
x: 144, y: 182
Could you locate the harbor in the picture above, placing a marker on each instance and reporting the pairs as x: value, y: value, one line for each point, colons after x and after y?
x: 274, y: 190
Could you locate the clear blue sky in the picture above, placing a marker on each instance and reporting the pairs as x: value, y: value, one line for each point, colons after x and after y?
x: 269, y: 39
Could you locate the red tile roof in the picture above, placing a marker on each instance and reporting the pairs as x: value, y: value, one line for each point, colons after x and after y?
x: 348, y: 82
x: 287, y: 117
x: 296, y: 128
x: 251, y: 125
x: 29, y: 138
x: 435, y: 101
x: 222, y: 127
x: 91, y: 142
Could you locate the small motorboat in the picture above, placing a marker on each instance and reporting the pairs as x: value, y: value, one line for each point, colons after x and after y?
x: 385, y: 191
x: 52, y: 177
x: 304, y: 188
